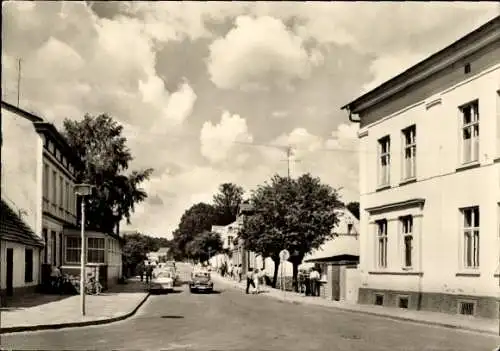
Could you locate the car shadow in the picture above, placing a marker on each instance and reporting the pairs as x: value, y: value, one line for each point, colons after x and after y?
x: 172, y: 317
x: 164, y: 292
x: 213, y: 292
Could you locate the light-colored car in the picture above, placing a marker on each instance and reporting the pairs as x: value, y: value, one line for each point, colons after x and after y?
x: 201, y: 281
x: 163, y: 281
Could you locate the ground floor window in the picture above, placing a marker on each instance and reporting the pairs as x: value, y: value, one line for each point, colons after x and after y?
x: 73, y: 249
x: 28, y: 266
x: 96, y: 250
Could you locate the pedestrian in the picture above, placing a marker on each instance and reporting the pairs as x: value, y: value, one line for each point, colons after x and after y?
x: 250, y: 280
x: 314, y: 278
x: 149, y: 272
x: 240, y: 273
x: 256, y: 281
x: 140, y: 268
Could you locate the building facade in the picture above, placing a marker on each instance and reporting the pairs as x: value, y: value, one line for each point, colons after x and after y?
x: 21, y: 213
x: 430, y: 181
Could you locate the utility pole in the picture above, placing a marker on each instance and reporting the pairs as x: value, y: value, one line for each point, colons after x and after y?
x: 289, y: 159
x: 18, y: 80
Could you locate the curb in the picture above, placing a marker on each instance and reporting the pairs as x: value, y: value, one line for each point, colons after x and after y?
x: 381, y: 315
x: 31, y: 328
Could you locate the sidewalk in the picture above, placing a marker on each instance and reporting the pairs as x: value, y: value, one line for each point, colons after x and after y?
x: 481, y: 325
x: 118, y: 303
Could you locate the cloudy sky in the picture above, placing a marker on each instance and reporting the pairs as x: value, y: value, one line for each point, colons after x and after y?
x: 208, y: 92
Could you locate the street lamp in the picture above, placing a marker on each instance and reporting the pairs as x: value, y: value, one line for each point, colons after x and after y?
x: 83, y: 190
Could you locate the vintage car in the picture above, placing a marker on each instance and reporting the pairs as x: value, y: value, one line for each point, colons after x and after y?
x: 201, y: 281
x: 163, y: 281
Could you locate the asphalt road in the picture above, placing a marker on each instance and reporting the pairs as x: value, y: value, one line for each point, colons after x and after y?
x: 230, y: 320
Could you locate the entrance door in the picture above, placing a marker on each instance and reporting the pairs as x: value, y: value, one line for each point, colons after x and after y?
x: 10, y: 271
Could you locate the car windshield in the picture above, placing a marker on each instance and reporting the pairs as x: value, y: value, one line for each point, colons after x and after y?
x: 202, y: 275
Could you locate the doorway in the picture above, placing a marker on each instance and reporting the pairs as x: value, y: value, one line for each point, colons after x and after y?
x: 10, y: 272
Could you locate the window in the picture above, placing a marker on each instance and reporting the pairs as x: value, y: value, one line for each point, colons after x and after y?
x: 466, y: 308
x: 471, y: 237
x: 407, y: 235
x: 73, y: 249
x: 470, y: 132
x: 54, y: 188
x: 379, y: 299
x: 403, y: 302
x: 96, y: 250
x: 61, y: 192
x: 229, y: 240
x: 66, y: 191
x: 45, y: 238
x: 385, y: 161
x: 349, y: 228
x: 382, y: 243
x: 409, y: 152
x: 54, y: 247
x: 46, y: 179
x: 467, y: 68
x: 28, y: 265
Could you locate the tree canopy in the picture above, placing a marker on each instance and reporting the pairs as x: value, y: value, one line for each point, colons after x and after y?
x: 99, y: 144
x: 227, y: 203
x: 293, y: 214
x: 195, y: 220
x: 353, y: 207
x: 204, y: 245
x: 137, y: 245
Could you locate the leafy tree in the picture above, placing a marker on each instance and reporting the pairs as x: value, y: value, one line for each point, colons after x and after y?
x: 196, y: 220
x: 138, y: 245
x: 353, y: 207
x: 100, y: 146
x: 293, y: 214
x: 227, y: 203
x: 204, y: 245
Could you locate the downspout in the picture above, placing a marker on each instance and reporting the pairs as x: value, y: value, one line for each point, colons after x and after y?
x: 351, y: 118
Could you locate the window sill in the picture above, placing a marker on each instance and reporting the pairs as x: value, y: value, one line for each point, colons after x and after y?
x: 383, y: 187
x: 472, y: 273
x: 407, y: 272
x: 467, y: 166
x: 408, y: 181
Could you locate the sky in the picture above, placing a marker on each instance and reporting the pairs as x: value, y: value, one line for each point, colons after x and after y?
x: 213, y: 92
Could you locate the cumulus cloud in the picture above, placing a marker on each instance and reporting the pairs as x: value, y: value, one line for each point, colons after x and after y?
x: 256, y: 51
x: 218, y: 140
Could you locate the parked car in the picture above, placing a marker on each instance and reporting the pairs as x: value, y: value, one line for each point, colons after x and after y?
x: 163, y: 281
x: 201, y: 281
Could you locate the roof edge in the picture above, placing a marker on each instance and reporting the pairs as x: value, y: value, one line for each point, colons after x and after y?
x: 427, y: 67
x: 23, y: 113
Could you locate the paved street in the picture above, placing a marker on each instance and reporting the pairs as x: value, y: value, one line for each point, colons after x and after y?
x: 230, y: 320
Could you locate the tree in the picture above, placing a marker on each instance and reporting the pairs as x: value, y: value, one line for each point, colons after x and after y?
x: 353, y: 207
x: 196, y: 220
x: 293, y: 214
x: 204, y: 246
x: 227, y: 203
x: 100, y: 146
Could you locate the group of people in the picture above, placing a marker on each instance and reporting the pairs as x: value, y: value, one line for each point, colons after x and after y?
x: 233, y: 271
x: 310, y: 282
x: 254, y: 280
x: 146, y: 270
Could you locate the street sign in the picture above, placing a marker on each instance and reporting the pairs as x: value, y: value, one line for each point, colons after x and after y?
x: 284, y: 255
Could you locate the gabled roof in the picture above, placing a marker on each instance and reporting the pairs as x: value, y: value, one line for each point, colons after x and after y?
x: 13, y: 228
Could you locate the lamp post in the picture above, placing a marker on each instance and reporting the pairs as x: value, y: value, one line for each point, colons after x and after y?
x: 83, y: 190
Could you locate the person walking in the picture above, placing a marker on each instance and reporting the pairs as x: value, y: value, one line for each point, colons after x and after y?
x: 314, y: 278
x: 256, y: 281
x: 250, y: 280
x: 149, y: 273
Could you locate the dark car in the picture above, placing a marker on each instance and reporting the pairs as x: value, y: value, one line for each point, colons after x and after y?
x: 201, y: 281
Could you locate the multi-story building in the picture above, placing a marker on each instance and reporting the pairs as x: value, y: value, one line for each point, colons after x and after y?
x: 38, y: 175
x: 430, y: 181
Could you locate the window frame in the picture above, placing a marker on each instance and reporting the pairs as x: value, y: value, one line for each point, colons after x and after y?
x: 411, y: 132
x: 407, y: 230
x: 470, y: 238
x: 382, y: 243
x: 384, y: 155
x: 471, y: 127
x: 89, y: 250
x: 96, y: 250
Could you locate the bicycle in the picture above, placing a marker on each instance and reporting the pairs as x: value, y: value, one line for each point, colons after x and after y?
x: 93, y: 287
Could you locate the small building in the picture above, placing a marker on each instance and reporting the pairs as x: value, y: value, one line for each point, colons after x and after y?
x: 228, y: 234
x: 20, y: 254
x: 430, y: 190
x: 338, y: 260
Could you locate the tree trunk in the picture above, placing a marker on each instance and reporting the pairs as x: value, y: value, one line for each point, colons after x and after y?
x: 276, y: 261
x: 296, y: 261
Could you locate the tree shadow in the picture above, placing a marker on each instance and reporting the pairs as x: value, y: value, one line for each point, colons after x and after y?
x: 31, y: 300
